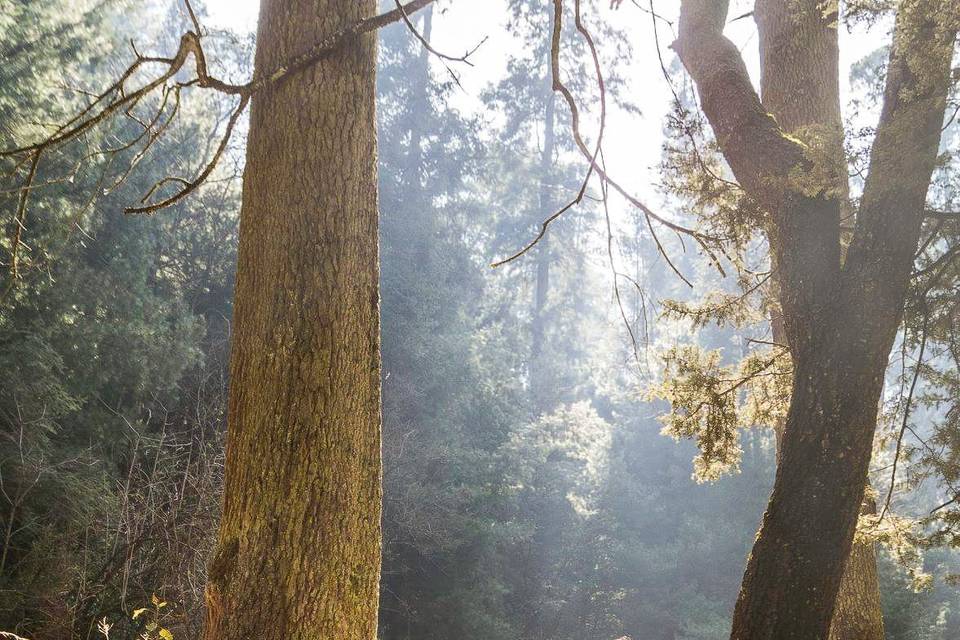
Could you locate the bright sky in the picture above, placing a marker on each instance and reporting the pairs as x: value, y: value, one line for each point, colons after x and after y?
x: 632, y: 145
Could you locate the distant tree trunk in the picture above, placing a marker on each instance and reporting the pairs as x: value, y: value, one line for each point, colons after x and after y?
x: 840, y: 316
x: 539, y: 379
x: 417, y: 215
x: 413, y: 170
x: 800, y: 86
x: 858, y: 614
x: 536, y: 559
x: 298, y: 555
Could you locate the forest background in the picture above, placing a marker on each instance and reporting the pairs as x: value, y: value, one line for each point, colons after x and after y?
x: 529, y: 492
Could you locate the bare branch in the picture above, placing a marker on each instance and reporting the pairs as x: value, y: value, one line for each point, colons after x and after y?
x: 561, y: 88
x: 465, y: 58
x: 594, y: 167
x: 193, y: 17
x: 119, y: 98
x: 192, y: 185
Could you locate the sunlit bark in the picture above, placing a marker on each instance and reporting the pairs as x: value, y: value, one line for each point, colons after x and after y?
x: 299, y: 545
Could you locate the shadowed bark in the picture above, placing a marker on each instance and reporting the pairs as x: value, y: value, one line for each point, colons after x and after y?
x: 839, y: 317
x: 800, y: 86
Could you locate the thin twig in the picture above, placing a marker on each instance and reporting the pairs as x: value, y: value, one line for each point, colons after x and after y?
x: 117, y: 98
x: 465, y: 58
x: 613, y: 267
x: 19, y: 222
x: 906, y: 414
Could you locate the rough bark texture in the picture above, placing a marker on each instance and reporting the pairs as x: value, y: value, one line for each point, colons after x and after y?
x: 858, y: 614
x: 299, y: 547
x: 839, y: 318
x: 800, y: 86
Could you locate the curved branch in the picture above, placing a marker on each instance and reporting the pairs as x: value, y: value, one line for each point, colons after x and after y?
x: 193, y: 185
x: 594, y: 167
x: 116, y: 99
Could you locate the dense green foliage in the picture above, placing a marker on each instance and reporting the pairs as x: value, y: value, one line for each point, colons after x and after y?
x: 529, y: 493
x: 113, y: 351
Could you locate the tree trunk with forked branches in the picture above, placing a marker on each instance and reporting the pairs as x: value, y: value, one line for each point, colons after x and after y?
x: 800, y: 85
x: 841, y: 309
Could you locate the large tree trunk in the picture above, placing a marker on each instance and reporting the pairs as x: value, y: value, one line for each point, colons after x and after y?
x: 299, y: 547
x: 840, y: 318
x: 858, y: 614
x: 800, y: 86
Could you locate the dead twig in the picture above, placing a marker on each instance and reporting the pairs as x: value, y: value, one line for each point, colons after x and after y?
x: 119, y: 98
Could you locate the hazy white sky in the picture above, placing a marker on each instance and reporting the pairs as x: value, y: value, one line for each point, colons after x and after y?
x: 632, y: 144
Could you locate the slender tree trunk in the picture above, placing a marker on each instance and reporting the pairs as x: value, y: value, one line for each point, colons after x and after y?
x: 540, y: 392
x: 413, y: 171
x: 299, y: 546
x: 800, y: 86
x: 858, y: 614
x: 542, y: 396
x: 419, y: 217
x: 840, y: 317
